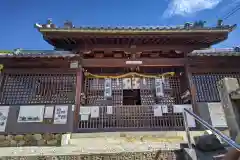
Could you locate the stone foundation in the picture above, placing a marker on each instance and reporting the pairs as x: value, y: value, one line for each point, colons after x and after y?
x: 47, y: 139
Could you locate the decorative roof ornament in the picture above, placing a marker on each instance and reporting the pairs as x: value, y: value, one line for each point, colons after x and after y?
x: 49, y: 23
x: 199, y: 24
x: 188, y: 25
x: 17, y: 51
x: 37, y: 25
x: 220, y: 23
x: 68, y: 24
x: 237, y: 49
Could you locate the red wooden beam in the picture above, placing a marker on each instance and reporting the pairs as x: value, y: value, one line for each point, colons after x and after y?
x: 148, y: 62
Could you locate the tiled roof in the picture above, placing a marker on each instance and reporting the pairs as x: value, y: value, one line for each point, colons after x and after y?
x: 36, y: 54
x: 139, y: 29
x: 197, y: 26
x: 187, y: 27
x: 57, y: 54
x: 216, y: 52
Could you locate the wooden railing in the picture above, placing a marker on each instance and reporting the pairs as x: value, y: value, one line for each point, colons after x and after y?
x: 126, y: 118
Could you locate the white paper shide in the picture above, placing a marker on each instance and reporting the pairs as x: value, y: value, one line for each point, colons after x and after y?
x: 60, y: 116
x: 3, y: 117
x: 107, y: 88
x: 159, y: 87
x: 127, y: 83
x: 28, y: 114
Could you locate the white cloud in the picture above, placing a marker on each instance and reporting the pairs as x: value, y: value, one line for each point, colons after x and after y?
x: 187, y: 7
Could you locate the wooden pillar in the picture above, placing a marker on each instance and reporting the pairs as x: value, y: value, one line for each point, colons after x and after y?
x: 79, y: 79
x: 192, y: 88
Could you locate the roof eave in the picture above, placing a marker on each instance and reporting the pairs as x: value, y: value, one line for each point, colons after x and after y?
x: 46, y: 30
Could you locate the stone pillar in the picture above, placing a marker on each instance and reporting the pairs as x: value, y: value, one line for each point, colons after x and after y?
x: 225, y: 87
x: 79, y: 82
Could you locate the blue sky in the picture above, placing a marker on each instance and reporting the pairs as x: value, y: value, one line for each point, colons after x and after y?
x: 18, y: 16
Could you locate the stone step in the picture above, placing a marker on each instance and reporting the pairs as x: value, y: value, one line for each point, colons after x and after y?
x: 110, y: 142
x: 165, y: 136
x: 108, y: 145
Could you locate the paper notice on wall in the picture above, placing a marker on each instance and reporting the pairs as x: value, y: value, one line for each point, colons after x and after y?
x: 178, y: 108
x: 157, y: 111
x: 85, y: 110
x: 94, y: 112
x: 109, y: 110
x: 60, y: 116
x: 48, y: 112
x: 164, y: 109
x: 4, y: 110
x: 84, y: 117
x: 217, y: 115
x: 31, y: 113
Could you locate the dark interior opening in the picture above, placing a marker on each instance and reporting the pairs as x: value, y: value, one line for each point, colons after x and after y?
x: 131, y: 97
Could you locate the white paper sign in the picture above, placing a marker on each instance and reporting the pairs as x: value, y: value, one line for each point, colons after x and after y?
x: 85, y: 110
x: 190, y: 119
x: 94, y: 112
x: 217, y: 115
x: 73, y: 107
x: 48, y: 112
x: 84, y: 117
x: 28, y: 114
x: 133, y: 62
x: 157, y: 111
x: 3, y: 117
x: 74, y: 64
x: 109, y: 110
x: 60, y: 116
x: 180, y: 109
x: 164, y: 108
